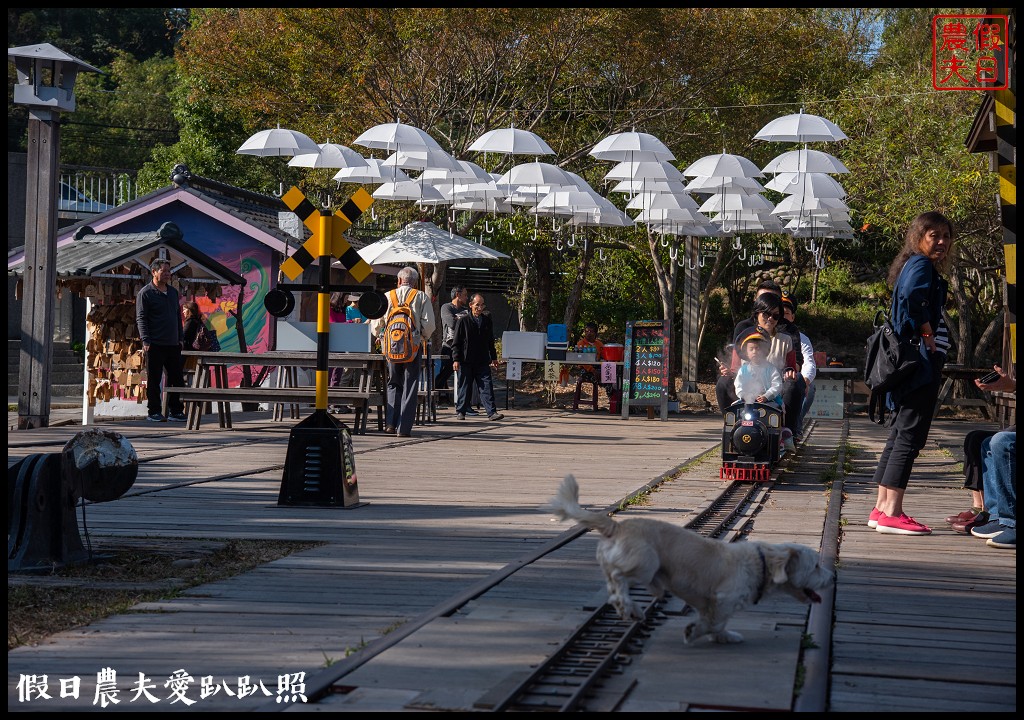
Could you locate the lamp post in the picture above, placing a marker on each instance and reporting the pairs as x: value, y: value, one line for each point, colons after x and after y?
x: 46, y: 84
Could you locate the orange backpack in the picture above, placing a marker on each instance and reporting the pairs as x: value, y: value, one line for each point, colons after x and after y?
x: 398, y: 343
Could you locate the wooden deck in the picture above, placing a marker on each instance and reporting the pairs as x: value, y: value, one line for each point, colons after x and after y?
x: 458, y: 501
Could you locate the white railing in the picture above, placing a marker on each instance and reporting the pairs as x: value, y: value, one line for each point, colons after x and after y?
x: 92, y: 191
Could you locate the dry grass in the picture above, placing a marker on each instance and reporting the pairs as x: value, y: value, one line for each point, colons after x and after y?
x: 132, y: 570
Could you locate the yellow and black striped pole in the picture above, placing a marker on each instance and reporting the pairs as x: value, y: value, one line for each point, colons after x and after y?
x: 1006, y: 111
x: 323, y: 317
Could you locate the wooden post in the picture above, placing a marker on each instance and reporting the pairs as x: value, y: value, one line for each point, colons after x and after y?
x: 36, y: 354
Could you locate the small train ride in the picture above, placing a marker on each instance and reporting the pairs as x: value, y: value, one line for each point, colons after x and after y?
x: 751, y: 440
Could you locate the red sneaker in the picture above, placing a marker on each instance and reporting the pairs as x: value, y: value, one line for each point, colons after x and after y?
x: 873, y: 518
x: 902, y: 525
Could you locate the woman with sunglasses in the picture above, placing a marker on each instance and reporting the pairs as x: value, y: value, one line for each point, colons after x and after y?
x: 766, y: 316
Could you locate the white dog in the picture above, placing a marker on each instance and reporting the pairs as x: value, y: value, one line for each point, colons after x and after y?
x: 715, y: 578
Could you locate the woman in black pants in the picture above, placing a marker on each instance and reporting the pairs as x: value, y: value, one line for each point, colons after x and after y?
x: 919, y: 294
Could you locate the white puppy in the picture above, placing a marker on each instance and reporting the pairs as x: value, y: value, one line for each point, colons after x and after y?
x: 715, y: 578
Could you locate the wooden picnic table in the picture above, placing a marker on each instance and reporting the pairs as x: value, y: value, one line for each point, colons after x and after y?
x: 365, y: 388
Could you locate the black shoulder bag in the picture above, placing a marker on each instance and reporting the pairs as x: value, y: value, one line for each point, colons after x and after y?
x: 889, y: 361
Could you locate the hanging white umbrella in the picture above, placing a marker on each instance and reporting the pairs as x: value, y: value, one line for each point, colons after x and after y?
x: 397, y: 136
x: 466, y: 171
x: 659, y: 201
x: 800, y: 127
x: 278, y: 142
x: 373, y: 173
x: 734, y: 201
x: 723, y: 165
x: 426, y: 242
x: 566, y: 202
x: 607, y: 215
x: 814, y: 184
x: 703, y: 184
x: 495, y: 206
x: 536, y: 173
x: 633, y: 147
x: 659, y: 216
x: 806, y: 160
x: 511, y: 141
x: 632, y: 187
x: 409, y: 190
x: 331, y: 155
x: 650, y: 170
x: 797, y: 204
x: 422, y: 159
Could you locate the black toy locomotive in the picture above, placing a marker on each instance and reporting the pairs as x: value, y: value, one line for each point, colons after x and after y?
x: 751, y: 436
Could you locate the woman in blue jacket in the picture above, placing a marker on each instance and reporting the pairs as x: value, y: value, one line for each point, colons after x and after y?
x: 919, y: 294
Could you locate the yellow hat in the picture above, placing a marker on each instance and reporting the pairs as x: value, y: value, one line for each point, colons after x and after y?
x: 755, y: 336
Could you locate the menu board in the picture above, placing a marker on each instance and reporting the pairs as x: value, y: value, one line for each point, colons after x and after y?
x: 645, y: 370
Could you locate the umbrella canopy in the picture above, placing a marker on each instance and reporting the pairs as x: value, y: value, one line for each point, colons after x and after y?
x: 703, y: 184
x: 800, y: 204
x: 662, y: 201
x: 466, y: 171
x: 425, y: 242
x: 606, y: 215
x: 800, y: 127
x: 652, y: 170
x: 395, y: 136
x: 734, y: 201
x: 409, y: 190
x: 723, y: 165
x: 422, y: 159
x: 567, y: 202
x: 511, y: 141
x: 660, y: 216
x: 813, y: 184
x: 806, y: 160
x: 632, y: 146
x: 331, y: 155
x: 491, y: 205
x: 373, y: 173
x: 278, y: 142
x: 536, y: 173
x: 632, y: 187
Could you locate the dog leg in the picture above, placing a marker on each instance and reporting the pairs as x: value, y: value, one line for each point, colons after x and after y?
x: 618, y: 597
x: 727, y: 637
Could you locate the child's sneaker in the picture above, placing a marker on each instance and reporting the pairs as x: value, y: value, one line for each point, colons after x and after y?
x: 873, y: 518
x: 902, y: 525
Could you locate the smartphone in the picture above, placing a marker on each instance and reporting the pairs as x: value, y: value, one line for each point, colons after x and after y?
x: 990, y: 378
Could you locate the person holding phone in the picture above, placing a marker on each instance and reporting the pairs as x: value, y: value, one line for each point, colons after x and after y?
x: 999, y: 454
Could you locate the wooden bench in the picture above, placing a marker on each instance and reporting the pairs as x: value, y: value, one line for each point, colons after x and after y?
x: 210, y: 385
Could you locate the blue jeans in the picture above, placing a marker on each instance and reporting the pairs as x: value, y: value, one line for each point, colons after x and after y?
x: 481, y: 375
x: 1000, y: 453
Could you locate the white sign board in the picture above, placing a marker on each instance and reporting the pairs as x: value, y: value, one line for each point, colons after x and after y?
x: 829, y: 396
x: 514, y: 370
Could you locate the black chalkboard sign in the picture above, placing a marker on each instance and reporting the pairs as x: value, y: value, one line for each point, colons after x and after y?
x: 645, y: 369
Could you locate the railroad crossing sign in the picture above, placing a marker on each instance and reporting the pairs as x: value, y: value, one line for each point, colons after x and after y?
x: 320, y: 465
x: 337, y: 245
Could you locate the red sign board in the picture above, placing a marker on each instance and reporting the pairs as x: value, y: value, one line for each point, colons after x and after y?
x: 969, y: 52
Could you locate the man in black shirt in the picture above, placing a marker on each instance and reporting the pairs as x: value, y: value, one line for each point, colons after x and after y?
x: 159, y: 319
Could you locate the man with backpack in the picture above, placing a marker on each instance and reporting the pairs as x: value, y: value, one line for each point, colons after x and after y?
x: 403, y: 329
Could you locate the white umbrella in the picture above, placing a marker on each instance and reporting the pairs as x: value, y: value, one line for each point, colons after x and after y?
x: 422, y: 159
x: 566, y: 202
x: 797, y: 204
x: 426, y: 242
x: 734, y: 201
x: 278, y: 142
x: 813, y: 184
x: 372, y: 174
x: 800, y: 127
x: 331, y: 155
x: 659, y: 201
x: 536, y: 173
x: 491, y: 205
x: 409, y: 190
x: 607, y: 215
x: 632, y: 146
x: 650, y: 170
x: 511, y: 141
x: 397, y: 136
x: 466, y: 171
x: 723, y: 165
x: 659, y: 216
x: 632, y: 187
x: 704, y: 184
x: 806, y: 160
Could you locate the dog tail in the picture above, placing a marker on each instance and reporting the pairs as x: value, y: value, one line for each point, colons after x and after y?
x: 566, y: 506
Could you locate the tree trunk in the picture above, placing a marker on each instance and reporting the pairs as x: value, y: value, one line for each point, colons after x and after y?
x: 524, y: 274
x: 572, y: 305
x: 542, y: 256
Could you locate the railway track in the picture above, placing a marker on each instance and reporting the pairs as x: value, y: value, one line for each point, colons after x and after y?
x: 586, y: 671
